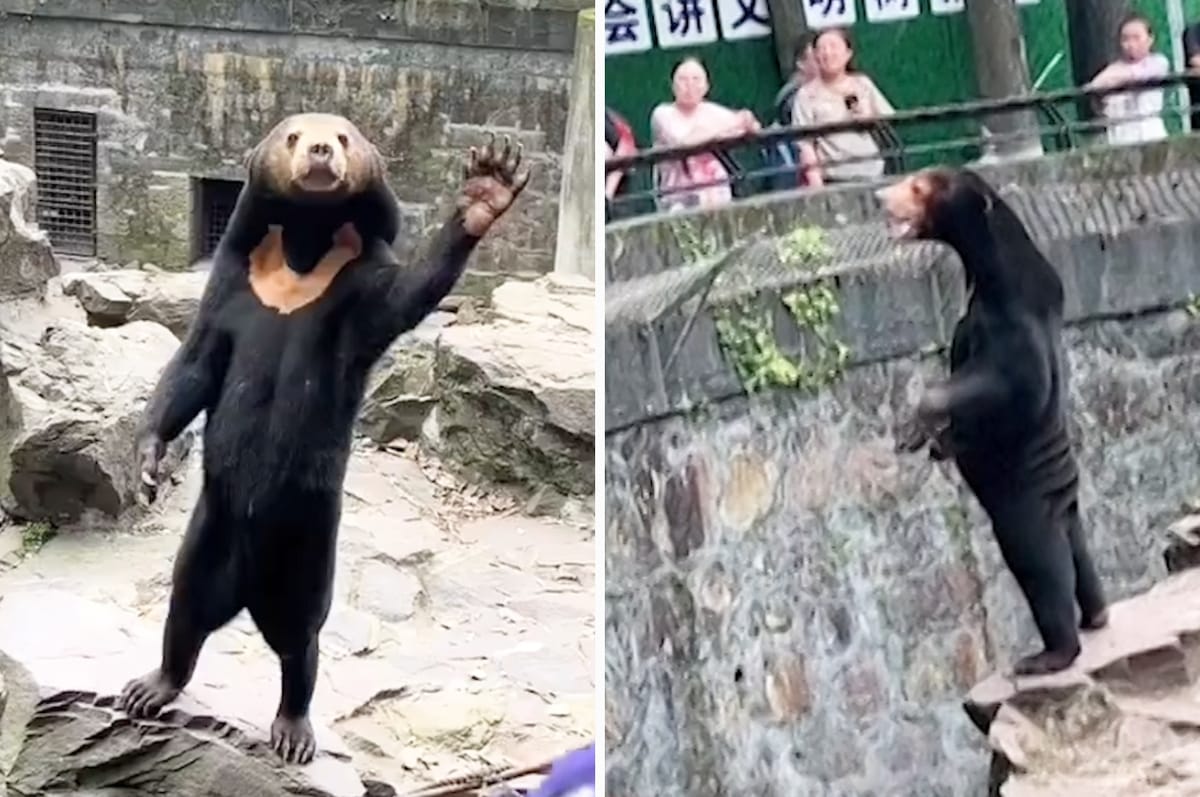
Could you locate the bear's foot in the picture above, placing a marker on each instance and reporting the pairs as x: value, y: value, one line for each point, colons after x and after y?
x: 293, y: 739
x: 1046, y: 662
x: 1095, y: 622
x: 145, y: 696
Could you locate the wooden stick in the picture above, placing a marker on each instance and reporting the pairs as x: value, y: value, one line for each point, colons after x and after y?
x: 463, y: 785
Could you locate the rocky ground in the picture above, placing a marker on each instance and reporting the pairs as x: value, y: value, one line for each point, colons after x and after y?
x: 1124, y: 720
x: 457, y: 642
x: 462, y: 636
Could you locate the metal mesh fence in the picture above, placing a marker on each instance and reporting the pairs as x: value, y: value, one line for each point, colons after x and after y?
x: 992, y: 131
x: 217, y: 200
x: 1050, y: 211
x: 64, y: 144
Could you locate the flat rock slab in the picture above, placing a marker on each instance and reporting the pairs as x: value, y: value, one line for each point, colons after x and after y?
x: 1123, y: 720
x: 81, y: 392
x: 113, y: 298
x: 516, y: 396
x: 64, y: 659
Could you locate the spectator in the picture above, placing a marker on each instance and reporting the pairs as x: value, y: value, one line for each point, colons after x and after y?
x: 618, y: 141
x: 839, y: 93
x: 1136, y: 116
x: 781, y: 157
x: 572, y: 775
x: 691, y: 119
x: 805, y: 69
x: 1191, y: 54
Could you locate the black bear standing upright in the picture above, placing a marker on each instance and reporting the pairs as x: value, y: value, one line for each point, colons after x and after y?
x: 303, y: 297
x: 1002, y: 413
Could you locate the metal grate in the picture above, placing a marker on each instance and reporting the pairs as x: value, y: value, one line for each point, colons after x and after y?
x: 64, y: 158
x: 216, y: 201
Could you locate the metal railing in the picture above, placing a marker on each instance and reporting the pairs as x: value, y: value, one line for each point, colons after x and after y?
x: 1057, y: 121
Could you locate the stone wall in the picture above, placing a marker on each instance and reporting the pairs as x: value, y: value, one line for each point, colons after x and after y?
x: 793, y: 609
x: 183, y: 90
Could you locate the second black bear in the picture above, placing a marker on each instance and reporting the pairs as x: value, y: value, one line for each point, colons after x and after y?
x: 1002, y: 413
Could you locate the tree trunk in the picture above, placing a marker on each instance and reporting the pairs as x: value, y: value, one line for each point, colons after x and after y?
x: 1094, y: 31
x: 1002, y: 71
x: 787, y: 26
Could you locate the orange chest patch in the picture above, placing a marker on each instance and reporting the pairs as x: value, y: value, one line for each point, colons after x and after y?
x: 286, y: 291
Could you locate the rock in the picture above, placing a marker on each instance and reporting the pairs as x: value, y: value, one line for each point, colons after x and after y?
x: 62, y: 735
x: 516, y: 397
x: 349, y: 632
x: 113, y: 298
x: 389, y: 592
x: 10, y: 427
x: 26, y: 261
x: 81, y: 394
x: 400, y: 392
x: 1123, y: 720
x: 1183, y: 544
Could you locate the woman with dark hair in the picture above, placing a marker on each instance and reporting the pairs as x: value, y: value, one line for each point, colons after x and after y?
x: 804, y: 63
x: 1133, y: 117
x: 691, y: 119
x: 839, y: 93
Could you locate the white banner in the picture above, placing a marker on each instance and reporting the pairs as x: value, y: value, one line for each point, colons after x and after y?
x: 947, y: 6
x: 829, y: 13
x: 684, y: 23
x: 892, y: 10
x: 744, y: 19
x: 626, y: 27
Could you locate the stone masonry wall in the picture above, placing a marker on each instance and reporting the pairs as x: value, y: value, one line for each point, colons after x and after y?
x: 186, y: 89
x: 793, y: 609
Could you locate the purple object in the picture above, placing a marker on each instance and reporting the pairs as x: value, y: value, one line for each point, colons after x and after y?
x: 572, y: 775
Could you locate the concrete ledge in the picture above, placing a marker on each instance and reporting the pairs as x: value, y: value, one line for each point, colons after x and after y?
x: 1124, y: 245
x: 642, y: 246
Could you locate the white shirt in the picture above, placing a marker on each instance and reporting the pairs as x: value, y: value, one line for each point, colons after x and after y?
x: 1136, y: 116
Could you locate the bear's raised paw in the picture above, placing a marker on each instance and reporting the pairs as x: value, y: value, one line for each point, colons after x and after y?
x: 491, y: 184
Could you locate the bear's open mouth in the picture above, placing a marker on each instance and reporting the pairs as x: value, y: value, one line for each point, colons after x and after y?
x: 319, y: 177
x: 897, y: 211
x: 899, y: 227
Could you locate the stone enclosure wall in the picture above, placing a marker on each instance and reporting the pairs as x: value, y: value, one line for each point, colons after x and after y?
x: 183, y: 90
x: 792, y: 608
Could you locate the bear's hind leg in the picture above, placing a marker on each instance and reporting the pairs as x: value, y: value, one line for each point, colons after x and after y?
x: 1088, y: 592
x: 1038, y: 553
x: 291, y: 732
x: 294, y: 640
x: 204, y: 597
x: 290, y: 601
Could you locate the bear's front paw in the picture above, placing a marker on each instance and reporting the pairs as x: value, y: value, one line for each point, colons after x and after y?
x: 910, y: 435
x: 491, y: 184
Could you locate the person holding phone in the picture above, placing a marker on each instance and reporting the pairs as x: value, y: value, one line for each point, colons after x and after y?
x: 839, y: 93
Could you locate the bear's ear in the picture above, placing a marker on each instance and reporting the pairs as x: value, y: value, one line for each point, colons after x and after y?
x: 250, y: 161
x: 378, y: 165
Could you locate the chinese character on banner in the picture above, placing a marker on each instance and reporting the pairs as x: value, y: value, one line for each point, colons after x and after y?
x: 947, y: 6
x: 684, y: 23
x: 892, y: 10
x: 744, y: 19
x: 829, y: 13
x: 626, y: 27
